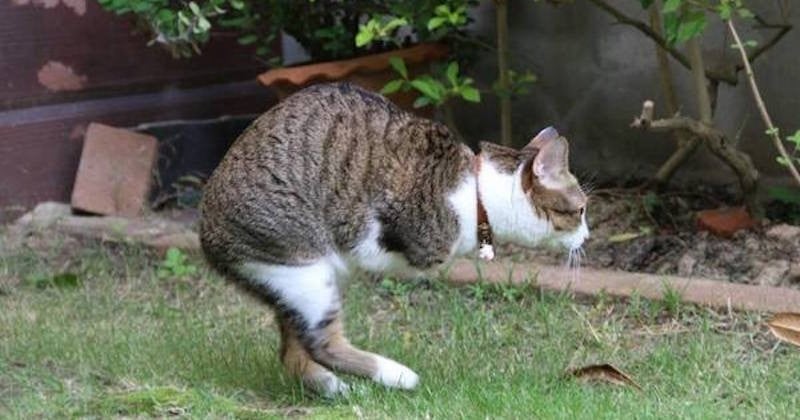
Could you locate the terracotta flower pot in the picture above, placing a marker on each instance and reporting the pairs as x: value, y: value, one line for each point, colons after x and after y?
x: 370, y: 72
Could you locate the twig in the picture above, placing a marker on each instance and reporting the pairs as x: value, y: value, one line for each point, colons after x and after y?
x: 771, y: 130
x: 658, y: 39
x: 784, y: 28
x: 716, y: 141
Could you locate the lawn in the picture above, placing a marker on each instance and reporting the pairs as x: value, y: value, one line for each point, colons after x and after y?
x: 117, y: 339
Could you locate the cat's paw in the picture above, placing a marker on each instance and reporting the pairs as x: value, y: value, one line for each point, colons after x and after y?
x: 395, y: 375
x: 486, y: 252
x: 328, y: 385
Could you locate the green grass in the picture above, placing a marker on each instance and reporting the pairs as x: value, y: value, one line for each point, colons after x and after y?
x: 122, y: 341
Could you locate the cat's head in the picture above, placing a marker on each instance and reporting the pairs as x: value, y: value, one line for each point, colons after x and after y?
x: 545, y: 200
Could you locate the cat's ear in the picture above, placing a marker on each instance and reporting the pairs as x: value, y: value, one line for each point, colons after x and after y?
x: 544, y: 137
x: 552, y: 159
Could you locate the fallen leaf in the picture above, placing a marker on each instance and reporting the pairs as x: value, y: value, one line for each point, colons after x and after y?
x: 624, y: 237
x: 786, y: 326
x: 604, y: 373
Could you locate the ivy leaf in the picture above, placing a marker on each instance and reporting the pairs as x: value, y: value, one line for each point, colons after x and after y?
x: 399, y: 66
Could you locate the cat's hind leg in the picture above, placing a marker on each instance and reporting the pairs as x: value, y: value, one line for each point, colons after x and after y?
x: 329, y: 346
x: 299, y: 363
x: 307, y: 301
x: 301, y: 296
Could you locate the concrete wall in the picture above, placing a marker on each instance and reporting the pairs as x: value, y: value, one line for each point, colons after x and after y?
x: 594, y: 75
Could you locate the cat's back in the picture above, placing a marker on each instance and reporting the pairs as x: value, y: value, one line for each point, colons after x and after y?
x: 316, y: 167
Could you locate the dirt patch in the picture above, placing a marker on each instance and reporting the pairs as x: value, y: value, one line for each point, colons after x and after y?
x: 657, y: 234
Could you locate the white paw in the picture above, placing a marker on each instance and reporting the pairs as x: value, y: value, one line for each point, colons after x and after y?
x: 395, y: 375
x: 329, y: 385
x: 486, y: 252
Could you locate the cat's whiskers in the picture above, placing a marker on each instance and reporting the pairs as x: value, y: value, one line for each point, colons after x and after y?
x: 573, y: 265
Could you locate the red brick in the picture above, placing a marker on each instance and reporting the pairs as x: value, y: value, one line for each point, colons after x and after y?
x: 725, y: 222
x: 115, y: 171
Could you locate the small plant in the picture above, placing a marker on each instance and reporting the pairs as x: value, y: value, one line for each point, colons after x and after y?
x: 672, y: 300
x: 176, y: 265
x: 433, y: 90
x: 396, y: 288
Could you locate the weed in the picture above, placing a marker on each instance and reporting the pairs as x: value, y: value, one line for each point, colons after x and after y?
x: 176, y: 265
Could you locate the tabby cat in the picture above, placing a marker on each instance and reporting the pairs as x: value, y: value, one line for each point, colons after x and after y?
x: 336, y: 177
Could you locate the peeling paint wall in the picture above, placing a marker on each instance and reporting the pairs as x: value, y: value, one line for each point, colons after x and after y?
x: 66, y: 63
x: 58, y: 77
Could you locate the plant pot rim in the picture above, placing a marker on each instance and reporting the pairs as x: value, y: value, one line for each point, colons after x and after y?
x: 336, y: 70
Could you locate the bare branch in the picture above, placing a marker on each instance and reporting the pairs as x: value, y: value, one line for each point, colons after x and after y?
x: 783, y: 29
x: 716, y: 141
x: 771, y: 130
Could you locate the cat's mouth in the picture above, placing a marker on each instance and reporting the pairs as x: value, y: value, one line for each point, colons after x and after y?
x: 574, y: 240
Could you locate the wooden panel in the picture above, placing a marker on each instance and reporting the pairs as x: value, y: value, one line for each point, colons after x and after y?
x: 40, y: 147
x: 95, y: 53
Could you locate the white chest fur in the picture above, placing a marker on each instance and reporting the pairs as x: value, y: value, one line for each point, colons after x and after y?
x: 511, y: 215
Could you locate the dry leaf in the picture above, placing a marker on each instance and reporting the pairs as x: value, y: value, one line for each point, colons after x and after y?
x: 604, y: 373
x: 786, y: 326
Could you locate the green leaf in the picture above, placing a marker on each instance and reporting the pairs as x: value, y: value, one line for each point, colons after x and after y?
x: 725, y: 10
x: 248, y: 39
x: 784, y: 194
x: 795, y: 138
x: 692, y: 26
x: 428, y: 87
x: 203, y: 24
x: 436, y: 22
x: 442, y: 10
x: 471, y: 94
x: 772, y: 131
x: 392, y: 86
x: 452, y: 73
x: 237, y: 4
x: 671, y: 24
x: 422, y: 101
x: 399, y: 66
x: 671, y: 6
x: 394, y: 23
x: 194, y: 8
x: 363, y: 38
x: 782, y: 160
